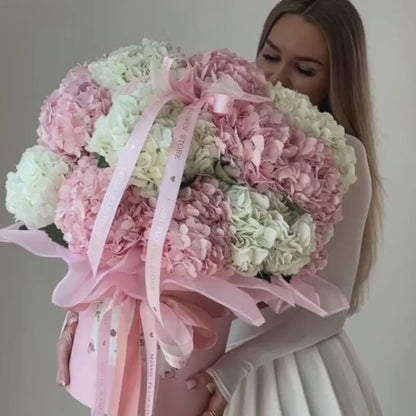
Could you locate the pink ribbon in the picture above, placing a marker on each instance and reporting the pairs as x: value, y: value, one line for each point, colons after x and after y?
x: 220, y: 95
x: 120, y: 180
x: 102, y: 366
x: 125, y: 395
x: 167, y: 200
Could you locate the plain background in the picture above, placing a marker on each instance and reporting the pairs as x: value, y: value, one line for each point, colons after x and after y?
x: 41, y: 39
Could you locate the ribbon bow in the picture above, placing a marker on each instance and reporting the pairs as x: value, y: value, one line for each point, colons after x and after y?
x: 220, y: 96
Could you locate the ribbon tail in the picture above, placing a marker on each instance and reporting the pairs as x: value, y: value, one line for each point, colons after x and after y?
x: 121, y: 360
x: 166, y: 202
x: 103, y: 378
x: 127, y: 385
x: 149, y: 331
x: 120, y: 180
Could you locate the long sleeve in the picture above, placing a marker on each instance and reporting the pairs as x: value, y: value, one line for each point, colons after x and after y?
x: 297, y: 328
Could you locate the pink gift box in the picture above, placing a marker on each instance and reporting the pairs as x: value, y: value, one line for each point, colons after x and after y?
x: 173, y: 398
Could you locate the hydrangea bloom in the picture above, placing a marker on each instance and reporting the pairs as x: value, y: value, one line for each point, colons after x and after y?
x: 269, y: 236
x: 32, y: 191
x: 80, y: 198
x: 198, y: 242
x: 306, y: 117
x: 128, y: 63
x: 209, y: 67
x: 68, y: 115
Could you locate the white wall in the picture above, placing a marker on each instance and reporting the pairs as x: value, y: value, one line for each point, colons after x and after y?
x: 41, y: 39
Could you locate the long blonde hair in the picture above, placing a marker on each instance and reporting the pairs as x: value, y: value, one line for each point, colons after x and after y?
x: 349, y: 101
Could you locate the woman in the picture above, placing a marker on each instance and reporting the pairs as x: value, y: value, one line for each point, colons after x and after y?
x: 298, y: 363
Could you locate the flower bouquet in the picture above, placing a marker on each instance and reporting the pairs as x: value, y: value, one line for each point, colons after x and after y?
x: 155, y: 174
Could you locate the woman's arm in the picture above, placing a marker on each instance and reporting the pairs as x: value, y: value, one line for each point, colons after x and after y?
x: 297, y: 328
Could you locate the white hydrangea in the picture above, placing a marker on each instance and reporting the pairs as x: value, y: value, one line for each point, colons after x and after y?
x: 307, y: 118
x: 113, y: 131
x: 32, y: 191
x: 270, y: 236
x: 204, y: 150
x: 128, y: 63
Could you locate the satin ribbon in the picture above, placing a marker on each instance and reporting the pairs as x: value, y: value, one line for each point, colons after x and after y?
x: 220, y: 96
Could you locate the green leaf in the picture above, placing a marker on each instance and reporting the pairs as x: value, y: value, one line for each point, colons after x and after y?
x: 288, y: 277
x: 293, y: 207
x: 102, y: 163
x: 222, y: 175
x: 268, y: 277
x: 264, y: 276
x: 53, y: 232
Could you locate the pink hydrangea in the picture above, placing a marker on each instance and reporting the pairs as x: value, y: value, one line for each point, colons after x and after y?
x: 261, y: 149
x: 199, y: 238
x: 80, y: 198
x: 68, y: 115
x: 209, y: 66
x: 319, y: 258
x: 318, y: 262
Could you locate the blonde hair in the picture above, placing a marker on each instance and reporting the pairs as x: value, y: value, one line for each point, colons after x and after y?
x: 349, y: 101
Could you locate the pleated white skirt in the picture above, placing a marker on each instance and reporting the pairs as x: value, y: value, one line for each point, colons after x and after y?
x: 326, y: 379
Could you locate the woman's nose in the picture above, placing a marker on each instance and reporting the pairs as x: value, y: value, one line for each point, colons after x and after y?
x: 280, y: 75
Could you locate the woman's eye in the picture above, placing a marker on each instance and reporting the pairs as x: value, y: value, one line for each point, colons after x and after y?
x: 306, y: 72
x: 271, y: 57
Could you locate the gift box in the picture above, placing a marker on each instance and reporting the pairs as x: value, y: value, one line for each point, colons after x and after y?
x: 173, y: 396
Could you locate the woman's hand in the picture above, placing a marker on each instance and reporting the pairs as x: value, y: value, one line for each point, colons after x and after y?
x: 217, y: 403
x: 64, y: 348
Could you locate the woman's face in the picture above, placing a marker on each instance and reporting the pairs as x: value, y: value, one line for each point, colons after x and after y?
x: 296, y: 54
